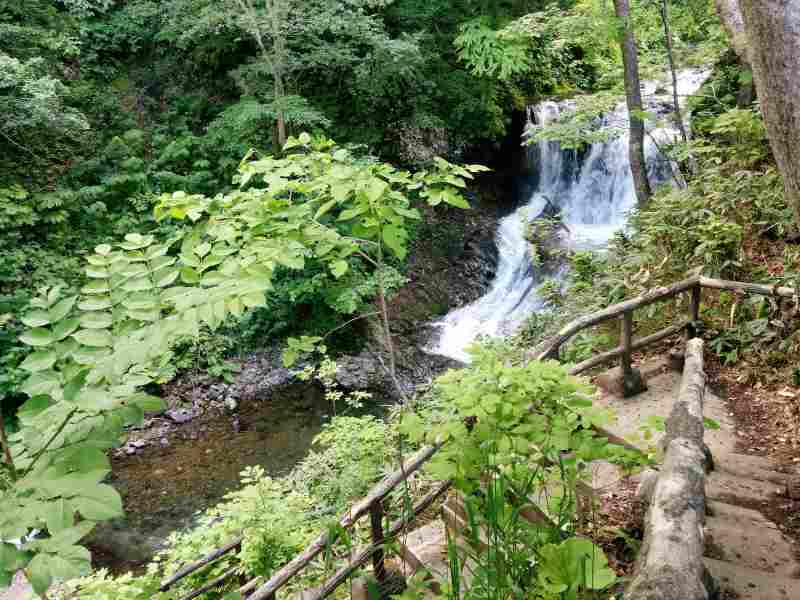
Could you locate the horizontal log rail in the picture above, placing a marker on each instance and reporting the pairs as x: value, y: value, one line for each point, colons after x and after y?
x: 624, y: 312
x: 372, y: 503
x: 377, y: 495
x: 234, y: 544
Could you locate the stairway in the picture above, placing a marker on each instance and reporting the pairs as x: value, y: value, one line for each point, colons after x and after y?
x: 745, y: 551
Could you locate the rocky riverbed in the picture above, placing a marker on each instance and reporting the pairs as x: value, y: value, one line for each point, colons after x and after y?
x: 186, y: 458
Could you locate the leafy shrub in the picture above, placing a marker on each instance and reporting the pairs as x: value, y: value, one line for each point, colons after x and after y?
x: 356, y: 449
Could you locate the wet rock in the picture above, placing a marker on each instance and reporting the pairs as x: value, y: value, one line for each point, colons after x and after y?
x: 180, y: 415
x: 118, y: 540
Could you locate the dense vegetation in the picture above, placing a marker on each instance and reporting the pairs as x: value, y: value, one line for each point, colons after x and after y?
x: 166, y: 171
x: 110, y: 104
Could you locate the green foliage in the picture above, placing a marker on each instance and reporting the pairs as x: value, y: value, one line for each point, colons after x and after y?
x: 277, y: 516
x: 355, y: 449
x: 577, y: 128
x: 32, y: 102
x: 573, y: 566
x: 504, y: 429
x: 92, y: 352
x: 490, y: 53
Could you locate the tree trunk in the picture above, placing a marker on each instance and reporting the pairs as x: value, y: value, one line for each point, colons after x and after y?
x: 731, y: 16
x: 279, y: 10
x: 281, y: 120
x: 633, y: 96
x: 773, y: 32
x: 671, y: 59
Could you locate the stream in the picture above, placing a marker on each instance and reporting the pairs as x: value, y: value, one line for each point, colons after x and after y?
x: 186, y: 467
x: 593, y: 191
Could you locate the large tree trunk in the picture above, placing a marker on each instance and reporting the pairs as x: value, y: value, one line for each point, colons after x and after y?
x: 633, y: 95
x: 773, y: 35
x: 731, y: 17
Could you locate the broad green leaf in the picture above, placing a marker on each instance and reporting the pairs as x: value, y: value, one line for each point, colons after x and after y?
x: 86, y: 355
x: 339, y: 268
x: 149, y: 316
x: 94, y: 337
x: 39, y: 361
x: 69, y: 563
x: 375, y: 189
x: 202, y: 249
x: 42, y: 382
x: 33, y: 406
x: 99, y: 503
x: 96, y: 303
x: 65, y: 328
x: 395, y: 239
x: 95, y: 399
x: 36, y: 318
x: 324, y: 209
x: 136, y: 241
x: 167, y: 278
x: 103, y: 249
x: 189, y: 275
x: 59, y: 516
x: 352, y: 213
x: 68, y: 537
x: 94, y: 272
x: 86, y: 458
x: 96, y: 287
x: 97, y: 261
x: 96, y: 320
x: 139, y: 284
x: 75, y: 385
x: 38, y: 336
x: 140, y: 302
x: 453, y: 198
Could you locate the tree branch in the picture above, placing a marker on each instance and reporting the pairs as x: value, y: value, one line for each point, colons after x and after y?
x: 353, y: 320
x: 44, y: 448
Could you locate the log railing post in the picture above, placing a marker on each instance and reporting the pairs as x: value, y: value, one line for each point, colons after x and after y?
x: 694, y: 312
x: 376, y: 524
x: 555, y: 353
x: 626, y: 341
x: 632, y: 380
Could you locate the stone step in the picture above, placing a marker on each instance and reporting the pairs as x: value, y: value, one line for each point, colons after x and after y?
x: 751, y: 467
x: 732, y: 489
x: 745, y: 537
x: 425, y: 549
x: 753, y: 584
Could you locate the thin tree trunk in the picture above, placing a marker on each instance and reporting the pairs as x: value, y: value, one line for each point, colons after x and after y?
x: 274, y: 56
x: 279, y: 10
x: 671, y: 58
x: 773, y: 30
x: 9, y: 460
x: 633, y: 96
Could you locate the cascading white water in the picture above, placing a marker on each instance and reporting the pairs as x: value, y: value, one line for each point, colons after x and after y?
x: 594, y: 193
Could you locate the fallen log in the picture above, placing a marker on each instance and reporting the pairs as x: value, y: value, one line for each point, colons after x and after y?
x: 670, y: 565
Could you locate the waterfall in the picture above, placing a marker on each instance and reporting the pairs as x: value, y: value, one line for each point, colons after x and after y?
x: 593, y: 191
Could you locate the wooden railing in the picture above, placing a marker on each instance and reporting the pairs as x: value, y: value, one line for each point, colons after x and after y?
x: 623, y: 311
x: 372, y: 503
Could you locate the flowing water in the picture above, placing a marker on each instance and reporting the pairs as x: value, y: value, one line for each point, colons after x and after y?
x: 593, y: 191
